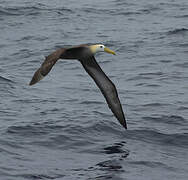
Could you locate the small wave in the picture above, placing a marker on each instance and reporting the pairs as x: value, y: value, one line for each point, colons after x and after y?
x: 166, y: 61
x: 151, y: 73
x: 2, y: 79
x: 183, y: 108
x: 127, y: 13
x: 92, y: 102
x: 9, y: 11
x: 176, y: 120
x: 182, y: 65
x: 120, y: 11
x: 26, y: 38
x: 123, y: 3
x: 178, y: 31
x: 39, y: 176
x: 10, y: 143
x: 147, y: 10
x: 154, y: 137
x: 110, y: 165
x: 27, y: 130
x: 40, y: 128
x: 34, y: 100
x: 6, y: 85
x: 152, y: 164
x: 63, y: 11
x: 155, y: 105
x: 136, y: 78
x: 31, y: 10
x: 181, y: 16
x: 117, y: 148
x: 59, y: 136
x: 153, y: 85
x: 183, y: 45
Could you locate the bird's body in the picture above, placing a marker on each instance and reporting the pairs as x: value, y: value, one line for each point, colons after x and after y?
x: 85, y: 54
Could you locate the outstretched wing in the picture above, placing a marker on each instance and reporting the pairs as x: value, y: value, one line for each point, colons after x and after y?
x: 106, y: 86
x: 75, y: 52
x: 46, y: 66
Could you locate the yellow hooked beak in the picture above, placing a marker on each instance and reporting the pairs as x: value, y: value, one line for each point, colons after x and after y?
x: 109, y: 51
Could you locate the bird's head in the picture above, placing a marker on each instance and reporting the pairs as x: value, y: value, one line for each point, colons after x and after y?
x: 100, y: 48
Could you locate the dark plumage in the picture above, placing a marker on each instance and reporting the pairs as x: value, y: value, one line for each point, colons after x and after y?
x: 85, y: 54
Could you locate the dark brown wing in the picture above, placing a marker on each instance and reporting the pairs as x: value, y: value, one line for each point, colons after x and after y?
x: 106, y: 86
x: 46, y: 66
x: 75, y: 52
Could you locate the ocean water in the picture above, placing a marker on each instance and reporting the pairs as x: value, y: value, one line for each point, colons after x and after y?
x: 61, y: 128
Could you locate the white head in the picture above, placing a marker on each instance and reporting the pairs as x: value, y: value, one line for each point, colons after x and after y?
x: 100, y: 48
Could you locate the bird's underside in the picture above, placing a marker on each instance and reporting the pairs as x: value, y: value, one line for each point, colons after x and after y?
x: 87, y: 59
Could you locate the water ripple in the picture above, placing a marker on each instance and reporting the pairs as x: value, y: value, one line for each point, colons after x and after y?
x: 154, y: 137
x: 176, y: 120
x: 66, y: 131
x: 178, y: 31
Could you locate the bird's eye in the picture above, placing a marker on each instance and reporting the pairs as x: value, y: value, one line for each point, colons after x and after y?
x: 101, y: 46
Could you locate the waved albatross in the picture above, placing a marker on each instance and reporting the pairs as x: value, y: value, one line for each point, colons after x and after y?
x: 85, y: 54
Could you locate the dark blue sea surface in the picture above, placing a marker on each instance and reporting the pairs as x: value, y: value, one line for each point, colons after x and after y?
x: 62, y: 128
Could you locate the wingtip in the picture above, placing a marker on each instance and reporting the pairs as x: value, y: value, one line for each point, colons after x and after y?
x: 36, y: 77
x: 31, y: 83
x: 125, y: 126
x: 124, y: 123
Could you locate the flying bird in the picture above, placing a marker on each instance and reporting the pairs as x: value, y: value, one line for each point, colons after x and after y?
x: 85, y: 54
